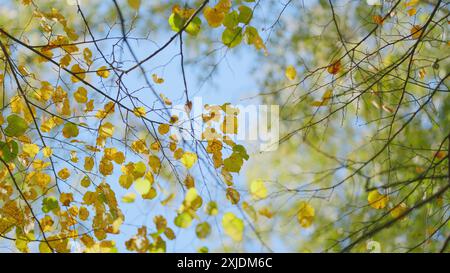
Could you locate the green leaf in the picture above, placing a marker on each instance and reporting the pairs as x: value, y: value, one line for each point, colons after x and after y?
x: 231, y: 20
x: 194, y: 26
x: 251, y: 34
x: 9, y: 150
x: 183, y: 220
x: 211, y: 208
x: 139, y: 169
x: 232, y: 37
x: 70, y: 130
x: 176, y: 22
x: 203, y: 230
x: 245, y: 14
x: 233, y: 163
x: 203, y: 249
x: 241, y: 151
x: 49, y: 204
x: 16, y: 126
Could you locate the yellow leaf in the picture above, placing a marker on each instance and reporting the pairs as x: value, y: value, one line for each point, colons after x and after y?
x: 264, y: 211
x: 223, y: 6
x: 291, y: 73
x: 398, y: 210
x: 334, y: 68
x: 328, y: 94
x: 43, y: 246
x: 125, y: 180
x: 40, y: 165
x: 168, y: 199
x: 202, y: 230
x: 139, y: 169
x: 213, y: 16
x: 89, y: 106
x: 258, y: 189
x: 233, y: 226
x: 150, y: 194
x: 411, y: 3
x: 42, y: 179
x: 79, y: 73
x: 416, y: 31
x: 106, y: 167
x: 66, y: 198
x: 47, y: 53
x: 211, y: 208
x: 119, y: 157
x: 412, y: 12
x: 377, y: 200
x: 30, y: 149
x: 84, y: 213
x: 188, y: 159
x: 47, y: 223
x: 317, y: 103
x: 233, y: 195
x: 129, y: 197
x: 116, y: 225
x: 377, y: 19
x: 73, y: 156
x: 157, y: 79
x: 71, y: 33
x: 142, y: 186
x: 66, y: 108
x: 139, y: 111
x: 154, y: 163
x: 47, y: 152
x: 139, y: 146
x: 250, y: 211
x: 108, y: 109
x: 87, y: 55
x: 422, y: 73
x: 65, y: 61
x: 23, y: 70
x: 135, y: 4
x: 106, y: 130
x: 183, y: 220
x: 191, y: 195
x: 16, y: 104
x: 305, y: 215
x: 166, y: 100
x: 189, y: 181
x: 80, y: 95
x: 44, y: 93
x: 440, y: 155
x: 230, y: 125
x: 88, y: 163
x: 64, y: 173
x: 103, y: 72
x: 325, y: 99
x: 178, y: 153
x: 163, y: 129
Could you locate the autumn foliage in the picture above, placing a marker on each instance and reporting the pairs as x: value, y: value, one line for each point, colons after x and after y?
x: 93, y: 159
